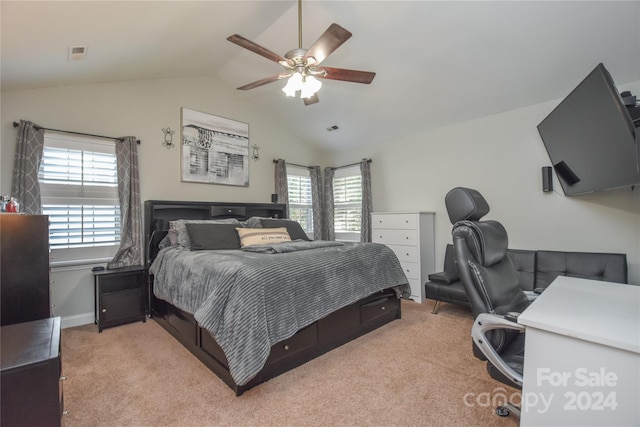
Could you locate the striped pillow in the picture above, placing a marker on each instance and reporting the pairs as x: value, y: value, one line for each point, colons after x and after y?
x: 262, y: 236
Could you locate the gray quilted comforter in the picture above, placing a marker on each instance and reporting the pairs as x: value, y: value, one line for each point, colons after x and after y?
x: 249, y: 301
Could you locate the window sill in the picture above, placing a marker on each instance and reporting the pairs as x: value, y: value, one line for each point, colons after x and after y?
x: 78, y: 264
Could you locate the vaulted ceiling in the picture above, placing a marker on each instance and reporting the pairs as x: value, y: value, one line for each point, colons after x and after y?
x: 437, y: 63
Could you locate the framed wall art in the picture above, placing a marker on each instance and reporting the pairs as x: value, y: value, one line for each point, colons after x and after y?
x: 214, y: 150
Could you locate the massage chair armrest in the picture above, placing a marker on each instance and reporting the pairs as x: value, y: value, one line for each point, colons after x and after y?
x: 444, y: 277
x: 486, y: 322
x: 532, y: 295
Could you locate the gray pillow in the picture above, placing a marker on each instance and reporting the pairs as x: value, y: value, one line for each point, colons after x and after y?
x: 293, y: 227
x: 183, y: 235
x: 209, y: 236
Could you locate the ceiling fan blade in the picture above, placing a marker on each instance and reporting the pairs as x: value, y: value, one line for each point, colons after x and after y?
x: 262, y: 82
x: 311, y: 100
x: 329, y: 41
x: 354, y: 76
x: 256, y: 48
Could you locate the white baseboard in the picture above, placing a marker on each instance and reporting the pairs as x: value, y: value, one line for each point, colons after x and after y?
x: 78, y: 320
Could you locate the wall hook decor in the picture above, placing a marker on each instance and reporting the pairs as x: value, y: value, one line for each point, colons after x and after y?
x: 168, y: 138
x: 255, y: 155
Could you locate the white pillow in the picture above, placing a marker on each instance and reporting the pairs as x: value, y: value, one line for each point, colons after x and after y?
x: 262, y: 236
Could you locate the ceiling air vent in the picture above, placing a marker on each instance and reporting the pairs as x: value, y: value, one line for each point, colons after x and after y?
x: 77, y: 53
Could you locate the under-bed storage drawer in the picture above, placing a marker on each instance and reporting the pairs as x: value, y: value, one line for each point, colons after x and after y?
x: 181, y: 322
x: 303, y: 339
x: 383, y: 307
x: 346, y: 319
x: 211, y: 347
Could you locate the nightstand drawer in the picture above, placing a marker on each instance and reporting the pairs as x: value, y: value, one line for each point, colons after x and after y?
x: 397, y: 221
x: 394, y: 237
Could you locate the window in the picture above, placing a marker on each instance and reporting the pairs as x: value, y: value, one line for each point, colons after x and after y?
x: 347, y: 199
x: 79, y: 190
x: 300, y: 203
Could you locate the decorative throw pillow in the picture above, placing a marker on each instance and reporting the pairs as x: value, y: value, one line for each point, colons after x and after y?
x: 213, y: 236
x: 254, y: 222
x: 172, y: 234
x: 183, y: 234
x: 293, y: 227
x: 165, y: 242
x: 262, y: 236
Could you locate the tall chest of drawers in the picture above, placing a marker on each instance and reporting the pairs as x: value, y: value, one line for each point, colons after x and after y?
x: 411, y: 237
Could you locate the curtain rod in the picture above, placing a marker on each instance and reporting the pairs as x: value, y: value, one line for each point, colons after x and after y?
x: 293, y: 164
x: 352, y: 164
x: 16, y: 124
x: 310, y: 167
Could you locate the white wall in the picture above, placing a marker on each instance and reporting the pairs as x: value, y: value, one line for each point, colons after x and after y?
x: 501, y: 156
x: 142, y: 109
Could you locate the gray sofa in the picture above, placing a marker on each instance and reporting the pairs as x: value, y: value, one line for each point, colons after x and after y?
x: 536, y: 270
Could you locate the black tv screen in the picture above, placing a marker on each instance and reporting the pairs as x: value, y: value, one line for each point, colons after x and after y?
x: 590, y: 138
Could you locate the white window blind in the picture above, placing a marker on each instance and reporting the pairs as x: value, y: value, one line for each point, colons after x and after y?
x: 300, y: 202
x: 79, y: 189
x: 347, y: 199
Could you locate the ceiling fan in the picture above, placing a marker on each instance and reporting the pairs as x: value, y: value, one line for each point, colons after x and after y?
x: 303, y: 66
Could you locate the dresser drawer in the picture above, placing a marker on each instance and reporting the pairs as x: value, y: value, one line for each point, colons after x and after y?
x: 395, y: 237
x: 405, y: 253
x: 411, y: 269
x: 400, y: 221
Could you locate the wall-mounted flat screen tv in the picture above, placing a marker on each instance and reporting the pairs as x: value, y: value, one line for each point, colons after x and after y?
x: 590, y: 138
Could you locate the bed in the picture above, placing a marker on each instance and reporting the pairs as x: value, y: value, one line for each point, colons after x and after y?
x: 251, y: 314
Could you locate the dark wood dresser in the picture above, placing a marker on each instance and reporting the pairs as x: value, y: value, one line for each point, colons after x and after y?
x: 24, y: 276
x: 31, y: 378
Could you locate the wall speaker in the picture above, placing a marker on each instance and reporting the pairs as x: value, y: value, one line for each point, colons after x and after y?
x: 564, y: 171
x: 547, y: 179
x: 274, y: 198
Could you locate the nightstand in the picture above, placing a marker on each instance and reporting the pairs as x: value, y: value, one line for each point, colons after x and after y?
x: 120, y: 296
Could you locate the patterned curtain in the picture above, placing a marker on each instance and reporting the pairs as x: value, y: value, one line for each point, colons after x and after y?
x: 365, y: 226
x: 329, y: 232
x: 316, y: 200
x: 281, y: 186
x: 130, y: 252
x: 25, y: 186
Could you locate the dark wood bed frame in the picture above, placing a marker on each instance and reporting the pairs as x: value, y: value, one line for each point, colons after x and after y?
x: 336, y: 329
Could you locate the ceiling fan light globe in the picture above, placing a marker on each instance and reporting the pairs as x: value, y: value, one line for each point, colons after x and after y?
x: 293, y: 85
x: 310, y: 86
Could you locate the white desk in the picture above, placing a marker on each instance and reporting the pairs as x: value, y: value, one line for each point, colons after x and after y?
x: 582, y: 355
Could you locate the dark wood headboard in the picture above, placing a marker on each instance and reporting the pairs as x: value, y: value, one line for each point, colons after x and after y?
x: 158, y: 213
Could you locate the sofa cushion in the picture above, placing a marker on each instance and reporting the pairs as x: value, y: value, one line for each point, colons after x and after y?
x: 596, y: 266
x: 525, y: 263
x: 452, y: 293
